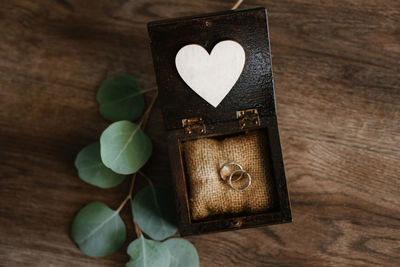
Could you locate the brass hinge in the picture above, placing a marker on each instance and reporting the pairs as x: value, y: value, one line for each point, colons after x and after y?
x: 194, y: 125
x: 248, y: 118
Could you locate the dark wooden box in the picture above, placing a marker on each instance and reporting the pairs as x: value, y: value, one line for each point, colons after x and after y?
x: 249, y: 105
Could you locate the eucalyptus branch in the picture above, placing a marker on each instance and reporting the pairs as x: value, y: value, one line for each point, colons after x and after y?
x: 143, y: 121
x: 146, y: 208
x: 237, y: 4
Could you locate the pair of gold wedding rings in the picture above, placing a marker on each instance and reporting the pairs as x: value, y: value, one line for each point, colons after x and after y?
x: 232, y: 172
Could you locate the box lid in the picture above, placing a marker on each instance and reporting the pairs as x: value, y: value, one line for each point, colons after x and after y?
x: 253, y: 89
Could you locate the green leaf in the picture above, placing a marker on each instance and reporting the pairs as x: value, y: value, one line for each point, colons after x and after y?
x: 154, y: 211
x: 120, y: 98
x: 183, y: 253
x: 124, y: 147
x: 98, y: 230
x: 92, y: 170
x: 148, y: 253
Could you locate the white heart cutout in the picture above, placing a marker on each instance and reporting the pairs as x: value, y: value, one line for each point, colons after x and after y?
x: 212, y: 75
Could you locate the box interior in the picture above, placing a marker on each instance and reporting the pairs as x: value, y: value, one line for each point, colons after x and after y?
x: 210, y: 197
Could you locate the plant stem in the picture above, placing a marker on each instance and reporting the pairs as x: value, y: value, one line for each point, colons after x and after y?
x: 142, y: 123
x: 237, y: 4
x: 122, y: 204
x: 129, y: 196
x: 132, y: 184
x: 135, y: 225
x: 145, y: 117
x: 137, y: 229
x: 145, y: 176
x: 149, y: 89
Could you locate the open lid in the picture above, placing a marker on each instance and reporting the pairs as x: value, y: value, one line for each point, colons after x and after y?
x: 253, y: 89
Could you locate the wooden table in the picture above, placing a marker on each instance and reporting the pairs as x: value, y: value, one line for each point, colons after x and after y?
x: 337, y: 72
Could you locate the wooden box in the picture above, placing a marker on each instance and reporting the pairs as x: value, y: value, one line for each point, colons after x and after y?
x: 248, y: 108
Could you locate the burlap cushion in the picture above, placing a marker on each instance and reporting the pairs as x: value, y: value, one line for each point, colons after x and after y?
x: 209, y: 195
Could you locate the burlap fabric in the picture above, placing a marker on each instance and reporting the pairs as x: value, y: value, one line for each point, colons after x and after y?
x: 208, y: 194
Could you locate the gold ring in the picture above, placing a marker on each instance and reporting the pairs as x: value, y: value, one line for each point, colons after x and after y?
x: 243, y: 173
x: 223, y: 177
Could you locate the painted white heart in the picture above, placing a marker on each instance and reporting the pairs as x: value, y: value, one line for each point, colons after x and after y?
x: 212, y: 75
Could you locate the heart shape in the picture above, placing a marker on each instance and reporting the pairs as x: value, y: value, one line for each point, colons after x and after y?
x: 212, y: 75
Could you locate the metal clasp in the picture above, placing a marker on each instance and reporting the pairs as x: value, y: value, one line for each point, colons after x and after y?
x: 248, y: 118
x: 194, y: 125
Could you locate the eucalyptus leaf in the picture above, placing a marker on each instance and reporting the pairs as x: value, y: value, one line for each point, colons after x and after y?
x: 182, y: 252
x: 154, y: 211
x: 98, y: 230
x: 148, y: 253
x: 120, y: 98
x: 124, y: 147
x: 92, y: 170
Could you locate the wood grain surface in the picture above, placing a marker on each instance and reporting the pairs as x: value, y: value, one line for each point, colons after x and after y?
x: 336, y: 69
